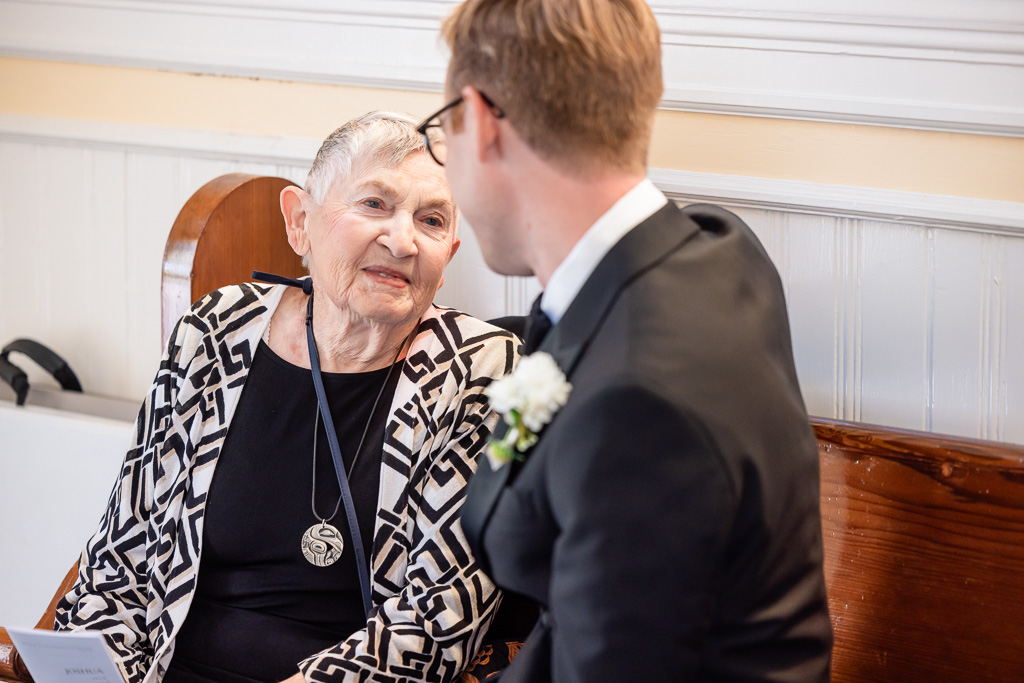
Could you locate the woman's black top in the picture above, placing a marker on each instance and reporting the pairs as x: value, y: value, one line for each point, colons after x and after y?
x: 260, y: 607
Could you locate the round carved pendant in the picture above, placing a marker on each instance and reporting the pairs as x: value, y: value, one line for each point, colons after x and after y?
x: 322, y: 544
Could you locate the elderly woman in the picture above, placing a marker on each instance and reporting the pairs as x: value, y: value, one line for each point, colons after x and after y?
x: 228, y: 551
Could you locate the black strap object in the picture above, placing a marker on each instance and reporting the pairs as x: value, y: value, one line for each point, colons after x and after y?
x: 45, y: 357
x: 306, y: 285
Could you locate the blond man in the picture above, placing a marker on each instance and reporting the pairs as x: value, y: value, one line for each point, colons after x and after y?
x: 666, y: 519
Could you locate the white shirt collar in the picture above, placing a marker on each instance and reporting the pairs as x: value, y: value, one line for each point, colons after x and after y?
x: 632, y: 209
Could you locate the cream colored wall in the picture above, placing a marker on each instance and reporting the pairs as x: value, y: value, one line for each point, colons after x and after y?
x: 926, y: 161
x: 930, y: 162
x: 181, y: 100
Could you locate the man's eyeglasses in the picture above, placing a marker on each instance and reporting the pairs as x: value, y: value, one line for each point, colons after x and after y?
x: 434, y: 121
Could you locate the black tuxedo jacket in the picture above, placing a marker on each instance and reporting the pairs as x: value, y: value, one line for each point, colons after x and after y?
x: 667, y: 521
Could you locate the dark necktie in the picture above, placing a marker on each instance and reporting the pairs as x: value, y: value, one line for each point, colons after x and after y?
x: 537, y: 326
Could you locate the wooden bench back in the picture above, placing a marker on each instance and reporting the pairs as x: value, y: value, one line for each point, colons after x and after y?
x: 924, y: 554
x: 231, y: 226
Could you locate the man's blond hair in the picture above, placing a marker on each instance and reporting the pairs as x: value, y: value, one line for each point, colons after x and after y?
x: 579, y: 80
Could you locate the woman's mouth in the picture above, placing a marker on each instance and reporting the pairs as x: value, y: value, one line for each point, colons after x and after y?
x: 387, y: 275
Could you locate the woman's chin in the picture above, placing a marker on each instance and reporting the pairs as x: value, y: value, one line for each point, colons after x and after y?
x: 390, y: 313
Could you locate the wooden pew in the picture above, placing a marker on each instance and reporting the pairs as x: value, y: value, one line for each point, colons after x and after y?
x: 230, y: 227
x: 924, y: 554
x: 924, y: 533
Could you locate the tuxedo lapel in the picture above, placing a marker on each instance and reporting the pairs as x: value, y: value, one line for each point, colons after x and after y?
x: 640, y: 249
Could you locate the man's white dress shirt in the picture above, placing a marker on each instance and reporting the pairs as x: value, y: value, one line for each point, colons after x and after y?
x: 631, y: 210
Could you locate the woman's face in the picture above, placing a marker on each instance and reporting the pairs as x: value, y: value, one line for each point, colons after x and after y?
x: 379, y: 243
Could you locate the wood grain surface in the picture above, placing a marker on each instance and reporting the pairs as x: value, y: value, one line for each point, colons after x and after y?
x: 231, y: 226
x: 924, y: 554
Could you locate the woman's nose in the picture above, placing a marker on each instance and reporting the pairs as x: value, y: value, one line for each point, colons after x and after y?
x: 399, y: 236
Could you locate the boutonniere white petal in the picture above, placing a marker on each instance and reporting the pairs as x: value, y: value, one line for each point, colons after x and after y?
x: 527, y: 399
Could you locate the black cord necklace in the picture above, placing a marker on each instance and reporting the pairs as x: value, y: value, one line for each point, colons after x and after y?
x: 323, y: 407
x: 322, y: 544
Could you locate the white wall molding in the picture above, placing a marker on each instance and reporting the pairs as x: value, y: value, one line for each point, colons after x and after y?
x: 949, y: 66
x: 202, y: 144
x: 792, y: 196
x: 992, y: 35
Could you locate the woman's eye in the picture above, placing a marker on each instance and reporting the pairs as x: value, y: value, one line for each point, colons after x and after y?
x: 434, y: 222
x: 373, y: 203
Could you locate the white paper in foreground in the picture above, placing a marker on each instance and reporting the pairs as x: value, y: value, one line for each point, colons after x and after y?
x: 65, y: 656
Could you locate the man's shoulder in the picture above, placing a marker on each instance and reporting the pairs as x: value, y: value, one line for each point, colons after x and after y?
x: 709, y: 216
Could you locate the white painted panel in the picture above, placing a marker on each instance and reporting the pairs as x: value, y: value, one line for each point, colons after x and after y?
x: 110, y: 279
x: 995, y: 300
x: 956, y: 275
x: 892, y: 334
x: 64, y: 466
x: 154, y: 196
x: 21, y: 253
x: 812, y: 297
x: 32, y: 247
x: 85, y: 263
x: 1010, y: 414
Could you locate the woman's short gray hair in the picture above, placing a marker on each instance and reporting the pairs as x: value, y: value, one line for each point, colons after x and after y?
x: 384, y: 136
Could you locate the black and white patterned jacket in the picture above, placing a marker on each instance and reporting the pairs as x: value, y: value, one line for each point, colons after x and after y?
x: 431, y: 601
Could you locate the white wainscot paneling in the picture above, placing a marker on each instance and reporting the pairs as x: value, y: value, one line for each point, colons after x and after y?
x: 82, y: 234
x: 1010, y: 401
x: 895, y: 322
x: 906, y: 309
x: 956, y: 65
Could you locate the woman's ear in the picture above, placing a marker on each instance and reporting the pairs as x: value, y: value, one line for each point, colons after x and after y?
x: 456, y: 243
x: 296, y: 217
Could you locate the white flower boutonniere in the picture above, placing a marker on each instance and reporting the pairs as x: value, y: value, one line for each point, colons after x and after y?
x: 528, y: 399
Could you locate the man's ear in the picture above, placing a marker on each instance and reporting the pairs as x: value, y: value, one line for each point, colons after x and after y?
x: 481, y: 124
x: 293, y: 208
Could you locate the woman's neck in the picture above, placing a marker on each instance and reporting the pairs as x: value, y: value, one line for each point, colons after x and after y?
x: 345, y: 342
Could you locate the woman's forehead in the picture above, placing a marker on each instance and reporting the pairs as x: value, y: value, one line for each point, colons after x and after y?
x: 412, y: 177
